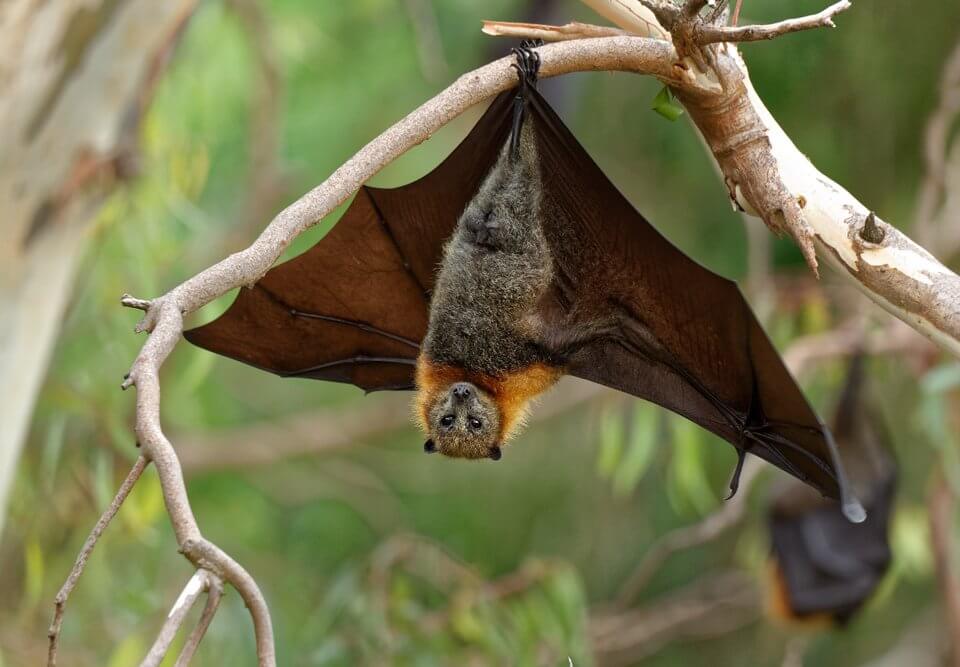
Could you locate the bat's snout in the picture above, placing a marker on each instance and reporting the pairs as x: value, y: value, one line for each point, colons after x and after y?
x: 461, y: 391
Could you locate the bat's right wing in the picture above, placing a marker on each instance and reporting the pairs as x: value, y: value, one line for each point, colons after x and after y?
x: 685, y: 337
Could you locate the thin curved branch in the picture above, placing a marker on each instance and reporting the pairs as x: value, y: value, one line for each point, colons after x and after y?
x: 178, y: 613
x: 214, y: 595
x: 61, y: 600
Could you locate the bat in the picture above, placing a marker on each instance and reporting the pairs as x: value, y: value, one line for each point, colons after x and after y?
x: 823, y: 568
x: 409, y: 290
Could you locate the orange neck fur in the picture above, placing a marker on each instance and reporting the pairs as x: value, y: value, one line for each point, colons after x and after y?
x: 779, y: 608
x: 512, y: 391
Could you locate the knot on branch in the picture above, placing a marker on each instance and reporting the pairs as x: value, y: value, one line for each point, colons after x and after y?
x: 871, y: 232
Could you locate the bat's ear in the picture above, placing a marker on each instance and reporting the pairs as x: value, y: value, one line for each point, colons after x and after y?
x: 495, y: 453
x: 429, y: 447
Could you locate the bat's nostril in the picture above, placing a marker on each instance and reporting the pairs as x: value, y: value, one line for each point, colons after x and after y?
x: 461, y: 390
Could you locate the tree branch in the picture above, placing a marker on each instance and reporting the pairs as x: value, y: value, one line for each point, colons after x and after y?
x: 767, y: 176
x: 61, y: 600
x: 214, y: 594
x: 167, y: 326
x: 188, y: 597
x: 710, y: 34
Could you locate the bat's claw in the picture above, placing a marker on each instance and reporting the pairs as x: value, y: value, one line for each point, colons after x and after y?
x: 735, y: 480
x: 528, y: 62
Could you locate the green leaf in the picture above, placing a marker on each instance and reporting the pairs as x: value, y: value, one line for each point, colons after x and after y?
x: 664, y: 105
x: 641, y: 440
x: 611, y: 442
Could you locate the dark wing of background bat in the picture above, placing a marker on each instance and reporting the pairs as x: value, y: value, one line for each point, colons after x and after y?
x: 686, y: 337
x: 354, y: 308
x: 824, y: 565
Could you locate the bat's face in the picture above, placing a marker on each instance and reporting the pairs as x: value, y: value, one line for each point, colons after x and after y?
x: 463, y: 421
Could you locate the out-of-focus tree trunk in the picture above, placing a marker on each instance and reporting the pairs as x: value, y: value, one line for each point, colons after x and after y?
x: 75, y: 76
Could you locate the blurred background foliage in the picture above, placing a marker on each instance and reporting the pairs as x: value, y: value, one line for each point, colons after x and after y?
x: 373, y: 553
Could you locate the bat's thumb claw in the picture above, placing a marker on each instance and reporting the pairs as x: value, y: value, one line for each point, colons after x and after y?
x: 853, y: 510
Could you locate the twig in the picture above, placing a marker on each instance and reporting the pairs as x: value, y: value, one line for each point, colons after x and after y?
x: 710, y: 528
x: 178, y: 613
x: 549, y: 33
x: 61, y: 600
x: 711, y: 34
x: 214, y: 594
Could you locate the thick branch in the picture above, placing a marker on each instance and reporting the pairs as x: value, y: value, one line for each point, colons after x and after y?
x: 84, y: 555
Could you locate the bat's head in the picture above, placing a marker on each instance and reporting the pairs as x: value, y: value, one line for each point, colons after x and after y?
x: 462, y: 420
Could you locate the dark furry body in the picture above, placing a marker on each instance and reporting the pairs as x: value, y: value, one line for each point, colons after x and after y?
x: 495, y: 269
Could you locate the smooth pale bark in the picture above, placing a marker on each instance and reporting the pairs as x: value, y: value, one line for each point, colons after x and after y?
x: 73, y: 75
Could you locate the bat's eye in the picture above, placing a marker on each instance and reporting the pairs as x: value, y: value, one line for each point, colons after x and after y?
x: 475, y: 423
x: 446, y: 421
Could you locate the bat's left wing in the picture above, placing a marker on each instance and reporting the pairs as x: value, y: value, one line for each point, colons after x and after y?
x: 669, y: 330
x: 354, y: 307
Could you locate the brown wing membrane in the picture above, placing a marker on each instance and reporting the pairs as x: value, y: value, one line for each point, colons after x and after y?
x: 685, y: 337
x: 355, y: 306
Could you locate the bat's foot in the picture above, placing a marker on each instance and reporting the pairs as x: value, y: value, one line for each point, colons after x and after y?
x: 528, y: 62
x: 528, y: 67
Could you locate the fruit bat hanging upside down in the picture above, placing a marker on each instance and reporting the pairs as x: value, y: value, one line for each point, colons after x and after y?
x: 545, y: 269
x: 822, y: 569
